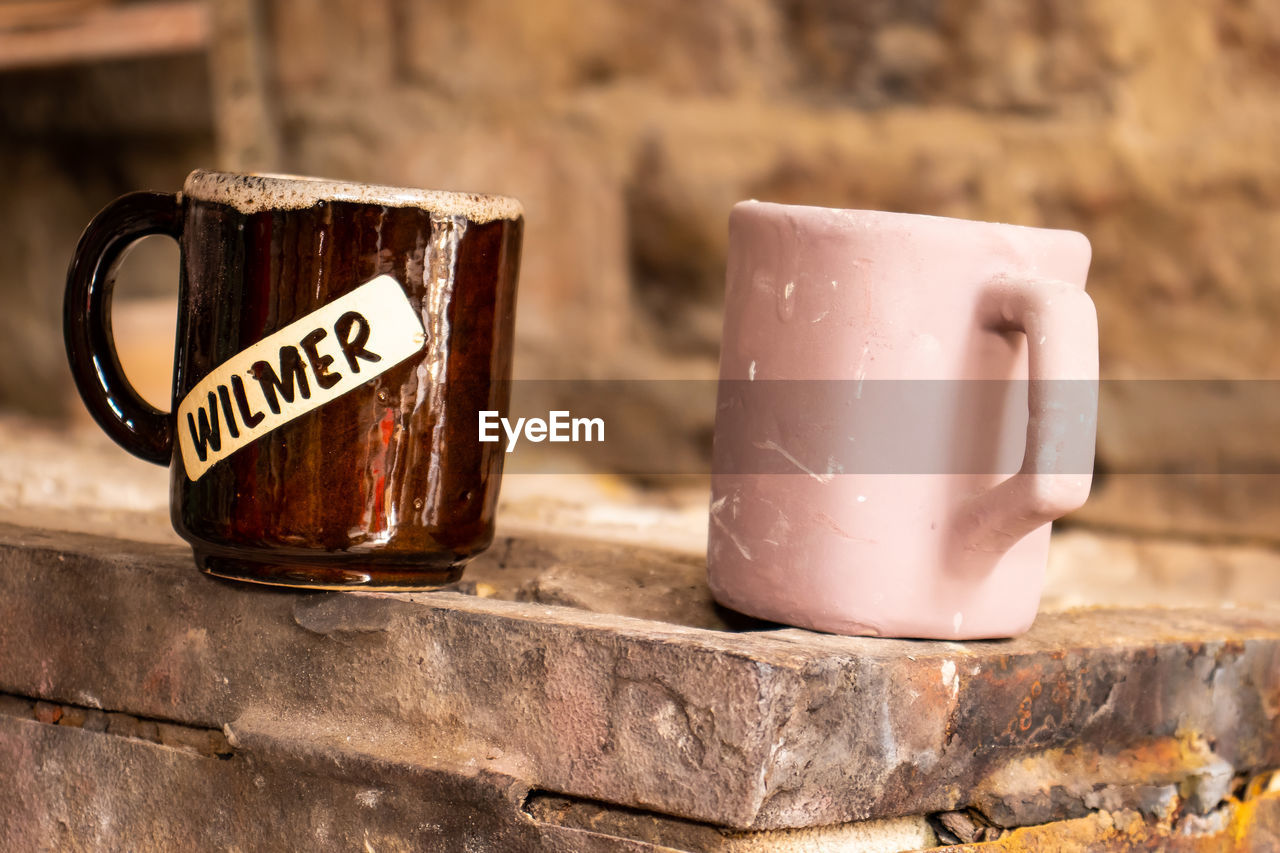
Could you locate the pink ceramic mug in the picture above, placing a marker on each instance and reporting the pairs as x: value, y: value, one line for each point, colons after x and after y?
x: 871, y: 329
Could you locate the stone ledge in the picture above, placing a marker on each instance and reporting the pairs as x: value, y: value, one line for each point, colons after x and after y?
x: 760, y: 729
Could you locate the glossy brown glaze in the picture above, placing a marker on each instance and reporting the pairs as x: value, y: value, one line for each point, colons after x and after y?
x: 131, y: 421
x: 385, y: 485
x: 388, y: 485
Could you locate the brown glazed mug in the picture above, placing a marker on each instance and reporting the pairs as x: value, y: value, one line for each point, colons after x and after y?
x: 335, y: 343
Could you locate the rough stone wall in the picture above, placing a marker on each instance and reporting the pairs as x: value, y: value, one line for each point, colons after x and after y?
x: 628, y: 130
x: 72, y: 139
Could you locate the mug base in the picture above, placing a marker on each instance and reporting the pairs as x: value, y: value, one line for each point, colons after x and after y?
x: 302, y: 575
x: 914, y: 625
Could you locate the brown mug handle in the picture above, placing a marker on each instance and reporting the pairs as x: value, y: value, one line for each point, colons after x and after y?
x: 132, y: 422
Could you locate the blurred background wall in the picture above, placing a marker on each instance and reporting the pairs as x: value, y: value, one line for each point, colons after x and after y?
x: 629, y: 128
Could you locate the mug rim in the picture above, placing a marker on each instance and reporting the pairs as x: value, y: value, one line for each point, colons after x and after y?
x: 838, y: 216
x: 255, y: 192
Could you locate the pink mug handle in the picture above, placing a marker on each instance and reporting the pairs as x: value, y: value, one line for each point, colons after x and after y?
x: 1061, y: 326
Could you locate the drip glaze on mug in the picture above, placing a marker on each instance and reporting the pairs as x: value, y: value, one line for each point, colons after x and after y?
x: 383, y: 486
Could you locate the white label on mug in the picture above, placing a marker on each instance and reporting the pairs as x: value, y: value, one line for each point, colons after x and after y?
x: 310, y: 362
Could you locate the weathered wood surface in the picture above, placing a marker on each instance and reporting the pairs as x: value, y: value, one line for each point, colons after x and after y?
x: 126, y: 31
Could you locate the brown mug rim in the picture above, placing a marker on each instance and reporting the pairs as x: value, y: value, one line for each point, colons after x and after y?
x: 254, y: 192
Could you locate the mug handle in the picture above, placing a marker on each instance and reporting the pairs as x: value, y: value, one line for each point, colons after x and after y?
x: 132, y: 422
x: 1061, y: 327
